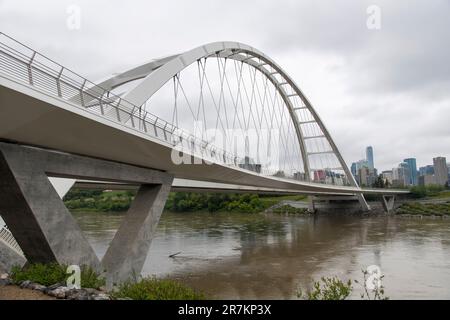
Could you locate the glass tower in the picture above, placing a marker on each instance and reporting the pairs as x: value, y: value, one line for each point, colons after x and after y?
x: 412, y: 167
x: 369, y: 157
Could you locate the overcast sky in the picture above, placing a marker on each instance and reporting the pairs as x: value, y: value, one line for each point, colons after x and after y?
x: 386, y: 87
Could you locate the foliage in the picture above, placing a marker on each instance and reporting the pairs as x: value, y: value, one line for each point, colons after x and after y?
x: 336, y: 289
x: 117, y: 201
x: 426, y: 191
x: 213, y: 202
x: 45, y: 274
x: 96, y: 200
x: 380, y: 182
x: 156, y: 289
x: 287, y: 209
x: 417, y: 208
x: 52, y: 273
x: 328, y: 289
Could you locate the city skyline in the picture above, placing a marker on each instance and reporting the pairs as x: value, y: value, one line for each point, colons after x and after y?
x: 405, y: 173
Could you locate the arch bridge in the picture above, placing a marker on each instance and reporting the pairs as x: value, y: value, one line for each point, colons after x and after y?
x: 220, y: 117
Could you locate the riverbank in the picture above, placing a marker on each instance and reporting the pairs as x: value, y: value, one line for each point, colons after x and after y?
x: 78, y: 200
x: 425, y: 202
x: 51, y: 281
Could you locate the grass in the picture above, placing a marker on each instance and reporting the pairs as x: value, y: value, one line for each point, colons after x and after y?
x: 287, y: 209
x: 416, y: 208
x: 52, y: 273
x: 157, y: 289
x: 441, y: 195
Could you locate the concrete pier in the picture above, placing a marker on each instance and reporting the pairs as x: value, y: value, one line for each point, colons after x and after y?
x: 46, y: 230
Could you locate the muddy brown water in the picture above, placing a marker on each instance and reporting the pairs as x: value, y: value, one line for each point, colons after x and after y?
x: 257, y: 256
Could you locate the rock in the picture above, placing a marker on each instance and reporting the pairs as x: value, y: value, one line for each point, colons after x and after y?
x: 101, y: 296
x: 25, y: 284
x: 5, y: 282
x: 53, y: 287
x: 80, y: 294
x: 92, y: 291
x: 59, y: 293
x: 37, y: 286
x: 4, y: 276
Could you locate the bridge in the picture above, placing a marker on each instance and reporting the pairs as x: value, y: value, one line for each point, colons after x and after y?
x: 220, y: 117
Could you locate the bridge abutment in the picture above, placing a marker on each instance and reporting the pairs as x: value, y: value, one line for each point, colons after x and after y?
x: 45, y: 229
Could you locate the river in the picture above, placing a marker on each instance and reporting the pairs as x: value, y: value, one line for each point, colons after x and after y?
x: 257, y: 256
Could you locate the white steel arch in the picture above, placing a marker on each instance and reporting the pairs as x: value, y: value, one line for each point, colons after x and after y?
x: 158, y: 72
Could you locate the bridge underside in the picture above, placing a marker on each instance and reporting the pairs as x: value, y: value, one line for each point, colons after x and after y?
x: 45, y: 229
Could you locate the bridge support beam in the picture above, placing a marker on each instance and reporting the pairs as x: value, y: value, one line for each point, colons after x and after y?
x: 45, y: 229
x: 388, y: 203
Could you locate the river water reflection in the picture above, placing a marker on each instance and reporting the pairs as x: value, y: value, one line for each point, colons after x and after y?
x: 269, y: 256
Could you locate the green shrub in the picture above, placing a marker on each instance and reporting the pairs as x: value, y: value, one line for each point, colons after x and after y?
x: 426, y: 191
x: 45, y: 274
x: 157, y: 289
x: 91, y: 279
x: 287, y: 209
x: 52, y: 273
x: 328, y: 289
x: 424, y: 208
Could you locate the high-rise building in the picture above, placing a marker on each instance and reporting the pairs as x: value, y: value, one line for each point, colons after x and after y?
x: 353, y: 169
x: 426, y: 180
x: 440, y: 170
x: 413, y: 179
x: 426, y: 170
x: 364, y: 177
x: 400, y: 175
x: 407, y: 173
x: 369, y: 157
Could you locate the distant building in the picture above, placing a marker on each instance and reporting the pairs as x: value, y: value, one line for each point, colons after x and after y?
x: 426, y: 170
x: 250, y: 165
x: 369, y: 157
x: 400, y: 176
x: 353, y: 169
x: 413, y: 178
x: 406, y: 173
x: 440, y: 170
x: 299, y: 176
x: 364, y: 177
x: 387, y: 176
x: 427, y: 180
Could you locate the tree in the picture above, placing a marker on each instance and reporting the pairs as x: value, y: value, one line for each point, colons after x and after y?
x: 379, y: 182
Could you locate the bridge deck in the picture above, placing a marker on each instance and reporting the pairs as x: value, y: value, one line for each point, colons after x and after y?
x: 33, y: 117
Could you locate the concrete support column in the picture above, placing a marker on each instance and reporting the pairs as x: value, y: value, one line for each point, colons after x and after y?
x: 45, y: 229
x: 129, y: 248
x: 388, y: 203
x: 34, y: 213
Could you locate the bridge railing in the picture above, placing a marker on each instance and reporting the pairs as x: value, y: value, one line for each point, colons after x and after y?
x: 7, y: 237
x: 28, y: 66
x: 23, y: 64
